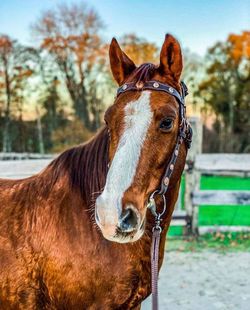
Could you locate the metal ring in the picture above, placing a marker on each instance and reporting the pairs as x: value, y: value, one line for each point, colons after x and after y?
x: 156, y: 192
x: 164, y: 205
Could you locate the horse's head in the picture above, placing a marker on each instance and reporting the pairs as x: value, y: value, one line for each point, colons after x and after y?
x: 143, y: 127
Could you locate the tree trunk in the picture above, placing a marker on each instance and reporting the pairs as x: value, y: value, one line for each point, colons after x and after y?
x: 40, y: 132
x: 78, y: 94
x: 6, y: 130
x: 80, y: 104
x: 22, y: 146
x: 6, y: 134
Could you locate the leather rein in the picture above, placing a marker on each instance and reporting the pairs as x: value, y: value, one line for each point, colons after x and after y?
x: 184, y: 135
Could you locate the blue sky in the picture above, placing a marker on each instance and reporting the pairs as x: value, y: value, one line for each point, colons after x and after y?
x: 197, y: 24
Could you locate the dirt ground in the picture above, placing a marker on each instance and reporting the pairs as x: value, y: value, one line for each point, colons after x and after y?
x: 204, y: 281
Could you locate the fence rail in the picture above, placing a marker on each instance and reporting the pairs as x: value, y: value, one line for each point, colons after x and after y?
x: 219, y: 197
x: 23, y: 156
x: 18, y: 169
x: 223, y: 164
x: 213, y: 164
x: 223, y: 228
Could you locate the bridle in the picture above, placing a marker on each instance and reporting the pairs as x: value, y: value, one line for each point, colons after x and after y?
x: 184, y: 135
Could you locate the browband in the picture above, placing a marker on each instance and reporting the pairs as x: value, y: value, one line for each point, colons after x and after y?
x: 155, y: 85
x: 185, y: 131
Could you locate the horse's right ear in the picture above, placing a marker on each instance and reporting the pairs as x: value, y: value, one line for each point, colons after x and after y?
x: 121, y: 65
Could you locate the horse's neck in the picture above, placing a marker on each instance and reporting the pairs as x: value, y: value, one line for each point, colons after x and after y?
x: 59, y: 194
x: 85, y: 166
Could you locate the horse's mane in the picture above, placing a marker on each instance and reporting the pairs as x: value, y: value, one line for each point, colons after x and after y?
x: 143, y: 73
x: 146, y: 72
x: 86, y: 166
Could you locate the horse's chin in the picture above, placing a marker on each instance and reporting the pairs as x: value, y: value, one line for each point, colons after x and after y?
x: 125, y: 238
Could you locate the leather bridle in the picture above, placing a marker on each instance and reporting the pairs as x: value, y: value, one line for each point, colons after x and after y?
x: 185, y: 130
x: 184, y: 135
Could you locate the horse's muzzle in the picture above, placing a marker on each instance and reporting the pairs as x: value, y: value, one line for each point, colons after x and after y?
x: 120, y: 226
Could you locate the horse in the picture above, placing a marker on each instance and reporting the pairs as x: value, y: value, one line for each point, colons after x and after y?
x: 77, y: 235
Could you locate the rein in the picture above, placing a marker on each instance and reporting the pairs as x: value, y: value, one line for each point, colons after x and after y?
x: 184, y: 135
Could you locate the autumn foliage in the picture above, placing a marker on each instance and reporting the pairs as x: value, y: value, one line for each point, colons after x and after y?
x: 225, y: 91
x: 63, y: 85
x: 240, y: 46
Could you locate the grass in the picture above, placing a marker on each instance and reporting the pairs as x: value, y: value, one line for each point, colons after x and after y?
x: 223, y: 242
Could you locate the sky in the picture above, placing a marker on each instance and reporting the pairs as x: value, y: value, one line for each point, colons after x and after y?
x: 197, y: 24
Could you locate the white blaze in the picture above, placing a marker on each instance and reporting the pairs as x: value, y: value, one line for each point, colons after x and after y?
x: 138, y: 117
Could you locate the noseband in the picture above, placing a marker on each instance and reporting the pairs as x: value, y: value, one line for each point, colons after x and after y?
x: 184, y: 135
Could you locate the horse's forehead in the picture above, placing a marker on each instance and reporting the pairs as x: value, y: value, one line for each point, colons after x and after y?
x: 155, y: 101
x: 138, y: 105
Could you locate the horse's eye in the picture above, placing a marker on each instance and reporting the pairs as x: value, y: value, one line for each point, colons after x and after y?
x: 166, y: 124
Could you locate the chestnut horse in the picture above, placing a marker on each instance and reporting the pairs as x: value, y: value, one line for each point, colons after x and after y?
x: 78, y: 234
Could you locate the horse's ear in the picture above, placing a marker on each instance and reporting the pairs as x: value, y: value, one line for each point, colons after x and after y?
x: 171, y: 58
x: 121, y: 65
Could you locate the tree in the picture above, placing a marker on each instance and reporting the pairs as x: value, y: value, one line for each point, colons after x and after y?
x: 70, y: 134
x: 226, y: 92
x: 54, y: 114
x: 139, y: 49
x: 15, y: 70
x: 70, y: 34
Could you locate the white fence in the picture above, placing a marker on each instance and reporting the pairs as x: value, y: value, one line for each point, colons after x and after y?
x: 18, y: 169
x: 213, y: 164
x: 15, y: 165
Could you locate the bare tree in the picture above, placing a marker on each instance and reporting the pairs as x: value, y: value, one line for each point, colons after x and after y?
x: 15, y: 69
x: 70, y: 33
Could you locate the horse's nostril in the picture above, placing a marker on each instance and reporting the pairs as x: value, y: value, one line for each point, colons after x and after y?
x: 129, y: 220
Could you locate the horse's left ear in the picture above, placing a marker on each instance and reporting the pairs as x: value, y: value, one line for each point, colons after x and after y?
x: 171, y: 58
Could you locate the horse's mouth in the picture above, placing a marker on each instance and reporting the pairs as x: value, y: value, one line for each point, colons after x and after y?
x: 128, y: 237
x: 123, y: 235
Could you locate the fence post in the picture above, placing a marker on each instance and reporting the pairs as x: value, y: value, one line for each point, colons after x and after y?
x: 192, y: 176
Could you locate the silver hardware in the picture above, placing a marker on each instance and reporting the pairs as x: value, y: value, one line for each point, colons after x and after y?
x: 125, y: 86
x: 171, y: 89
x: 152, y: 205
x: 156, y: 85
x: 157, y: 228
x: 166, y: 181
